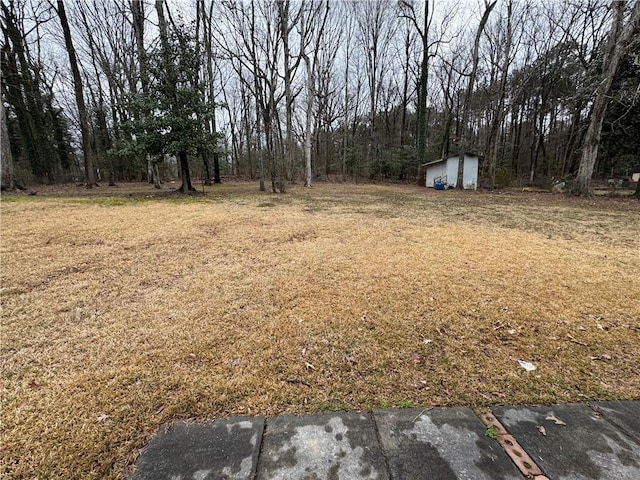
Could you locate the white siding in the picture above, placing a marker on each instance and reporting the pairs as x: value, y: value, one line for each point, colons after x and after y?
x: 470, y: 174
x: 449, y: 168
x: 452, y: 171
x: 434, y: 171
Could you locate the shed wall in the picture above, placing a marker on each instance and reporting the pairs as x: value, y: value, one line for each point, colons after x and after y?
x: 470, y: 173
x: 452, y: 171
x: 449, y: 168
x: 433, y: 172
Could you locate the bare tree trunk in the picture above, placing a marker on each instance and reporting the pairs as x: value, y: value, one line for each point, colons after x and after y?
x: 7, y: 180
x: 312, y: 35
x: 422, y: 88
x: 185, y: 173
x: 405, y: 85
x: 346, y: 109
x: 90, y: 178
x: 494, y: 147
x: 137, y: 11
x: 619, y: 40
x: 309, y: 113
x: 259, y: 147
x: 247, y: 128
x: 285, y: 28
x: 208, y: 32
x: 345, y: 141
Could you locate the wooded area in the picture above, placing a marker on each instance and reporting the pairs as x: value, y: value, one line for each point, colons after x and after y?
x: 285, y: 91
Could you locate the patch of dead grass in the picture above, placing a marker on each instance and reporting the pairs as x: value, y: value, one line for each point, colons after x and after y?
x: 118, y: 317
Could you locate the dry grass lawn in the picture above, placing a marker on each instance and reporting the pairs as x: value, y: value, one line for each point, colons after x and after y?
x: 122, y: 314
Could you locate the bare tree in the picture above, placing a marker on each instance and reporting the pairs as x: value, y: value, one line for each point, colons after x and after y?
x: 493, y: 144
x: 207, y: 19
x: 7, y: 180
x: 252, y: 40
x: 349, y: 26
x: 313, y: 33
x: 620, y: 38
x: 90, y: 178
x: 423, y: 32
x: 138, y: 14
x: 464, y: 134
x: 376, y: 27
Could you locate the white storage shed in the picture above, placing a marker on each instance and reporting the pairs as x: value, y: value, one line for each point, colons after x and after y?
x: 446, y: 171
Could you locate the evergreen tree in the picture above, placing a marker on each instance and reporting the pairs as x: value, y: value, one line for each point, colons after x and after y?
x: 172, y: 113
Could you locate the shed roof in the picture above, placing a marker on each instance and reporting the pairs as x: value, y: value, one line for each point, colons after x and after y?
x: 440, y: 160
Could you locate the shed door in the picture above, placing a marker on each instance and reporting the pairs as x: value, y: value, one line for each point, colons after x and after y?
x: 470, y: 174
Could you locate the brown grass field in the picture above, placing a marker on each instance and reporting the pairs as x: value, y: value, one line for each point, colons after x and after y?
x: 123, y: 311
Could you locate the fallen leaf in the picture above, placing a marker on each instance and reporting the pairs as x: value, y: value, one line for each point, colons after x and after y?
x: 601, y: 357
x: 552, y: 418
x: 309, y: 366
x: 528, y: 366
x: 35, y: 385
x: 542, y: 430
x: 160, y: 409
x: 102, y: 418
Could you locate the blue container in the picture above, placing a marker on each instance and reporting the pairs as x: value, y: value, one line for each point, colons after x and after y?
x: 439, y: 185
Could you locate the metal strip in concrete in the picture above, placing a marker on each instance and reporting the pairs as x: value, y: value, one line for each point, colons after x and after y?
x: 225, y: 449
x: 441, y: 444
x: 570, y: 443
x: 337, y: 446
x: 511, y: 447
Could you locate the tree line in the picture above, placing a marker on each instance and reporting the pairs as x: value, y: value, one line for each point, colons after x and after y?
x: 282, y: 91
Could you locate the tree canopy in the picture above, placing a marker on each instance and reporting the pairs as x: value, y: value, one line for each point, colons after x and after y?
x: 327, y: 89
